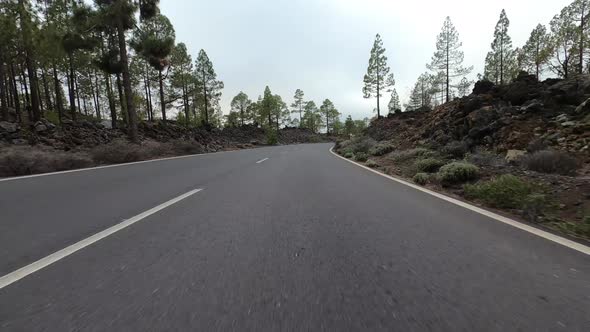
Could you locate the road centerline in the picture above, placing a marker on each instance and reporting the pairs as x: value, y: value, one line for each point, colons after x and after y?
x: 61, y: 254
x: 261, y: 161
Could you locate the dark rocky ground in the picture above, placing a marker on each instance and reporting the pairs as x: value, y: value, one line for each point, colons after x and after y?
x: 536, y: 131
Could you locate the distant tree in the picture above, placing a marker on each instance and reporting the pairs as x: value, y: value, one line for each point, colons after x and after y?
x: 241, y: 105
x: 563, y: 42
x: 536, y: 51
x: 501, y: 61
x: 394, y: 104
x: 579, y: 13
x: 154, y: 41
x: 329, y: 114
x: 298, y: 104
x: 232, y: 120
x: 464, y: 87
x: 420, y: 96
x: 280, y: 112
x: 267, y: 106
x: 208, y: 84
x: 448, y: 57
x: 378, y: 78
x: 181, y: 65
x: 312, y: 118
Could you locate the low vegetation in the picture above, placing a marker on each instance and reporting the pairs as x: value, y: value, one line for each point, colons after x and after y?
x: 429, y: 165
x: 372, y: 163
x: 421, y: 178
x: 506, y: 191
x: 19, y: 161
x: 551, y: 162
x: 457, y: 173
x: 361, y: 157
x: 381, y: 149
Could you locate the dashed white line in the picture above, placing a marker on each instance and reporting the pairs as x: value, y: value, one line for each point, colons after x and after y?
x: 538, y: 232
x: 261, y: 161
x: 44, y: 262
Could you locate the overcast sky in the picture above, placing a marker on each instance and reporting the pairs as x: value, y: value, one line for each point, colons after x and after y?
x: 323, y: 46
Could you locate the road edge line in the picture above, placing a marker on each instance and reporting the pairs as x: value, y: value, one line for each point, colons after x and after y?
x: 63, y: 253
x: 511, y: 222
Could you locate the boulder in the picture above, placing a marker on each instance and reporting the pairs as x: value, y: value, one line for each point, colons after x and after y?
x: 573, y: 91
x: 583, y: 107
x: 513, y: 156
x: 8, y: 127
x: 483, y: 87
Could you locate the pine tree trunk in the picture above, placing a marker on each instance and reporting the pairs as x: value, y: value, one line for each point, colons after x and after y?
x: 48, y: 102
x: 122, y: 100
x: 132, y: 114
x: 97, y: 104
x: 58, y: 100
x: 147, y: 98
x: 27, y: 97
x: 111, y: 99
x: 207, y: 102
x: 3, y: 94
x: 72, y: 88
x: 29, y: 61
x: 582, y: 33
x: 378, y: 94
x: 162, y: 101
x: 15, y: 94
x: 78, y: 95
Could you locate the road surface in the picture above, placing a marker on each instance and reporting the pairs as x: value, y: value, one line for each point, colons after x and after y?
x: 278, y: 239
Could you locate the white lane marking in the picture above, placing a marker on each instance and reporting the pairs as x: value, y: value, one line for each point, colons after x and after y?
x: 541, y: 233
x: 261, y: 161
x: 44, y: 262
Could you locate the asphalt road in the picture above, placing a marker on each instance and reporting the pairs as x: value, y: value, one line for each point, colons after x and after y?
x: 302, y: 241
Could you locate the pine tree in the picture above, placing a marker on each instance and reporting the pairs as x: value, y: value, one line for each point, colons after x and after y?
x: 464, y: 87
x: 312, y: 118
x: 535, y: 53
x: 329, y: 114
x: 420, y: 96
x: 394, y: 104
x: 208, y: 84
x: 501, y: 61
x: 241, y: 105
x: 154, y: 41
x: 181, y: 65
x: 448, y: 57
x: 298, y: 104
x: 563, y: 41
x: 378, y: 78
x: 579, y: 14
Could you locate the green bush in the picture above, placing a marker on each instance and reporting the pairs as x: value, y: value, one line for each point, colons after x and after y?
x: 458, y: 172
x: 429, y: 165
x: 506, y: 191
x: 118, y: 152
x: 421, y: 178
x: 381, y: 149
x: 372, y: 163
x: 551, y: 162
x: 361, y: 157
x: 357, y: 144
x: 349, y: 155
x: 272, y: 137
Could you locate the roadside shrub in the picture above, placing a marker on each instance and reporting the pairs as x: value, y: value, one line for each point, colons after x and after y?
x: 118, y: 152
x: 458, y: 172
x: 361, y: 157
x: 506, y: 191
x: 272, y: 138
x: 21, y: 161
x: 456, y: 149
x: 486, y: 158
x: 381, y: 149
x: 187, y: 147
x: 577, y: 229
x: 421, y: 178
x: 429, y: 165
x: 551, y: 162
x: 405, y: 155
x: 358, y: 144
x: 372, y: 163
x: 349, y: 155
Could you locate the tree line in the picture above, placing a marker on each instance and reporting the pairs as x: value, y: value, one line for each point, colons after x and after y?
x: 119, y: 61
x: 563, y: 50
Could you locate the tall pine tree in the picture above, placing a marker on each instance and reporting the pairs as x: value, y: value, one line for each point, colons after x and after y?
x: 448, y: 57
x: 378, y: 77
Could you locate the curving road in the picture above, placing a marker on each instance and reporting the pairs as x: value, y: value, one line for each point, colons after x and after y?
x: 277, y: 239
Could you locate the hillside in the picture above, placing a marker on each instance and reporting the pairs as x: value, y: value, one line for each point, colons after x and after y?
x: 523, y: 148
